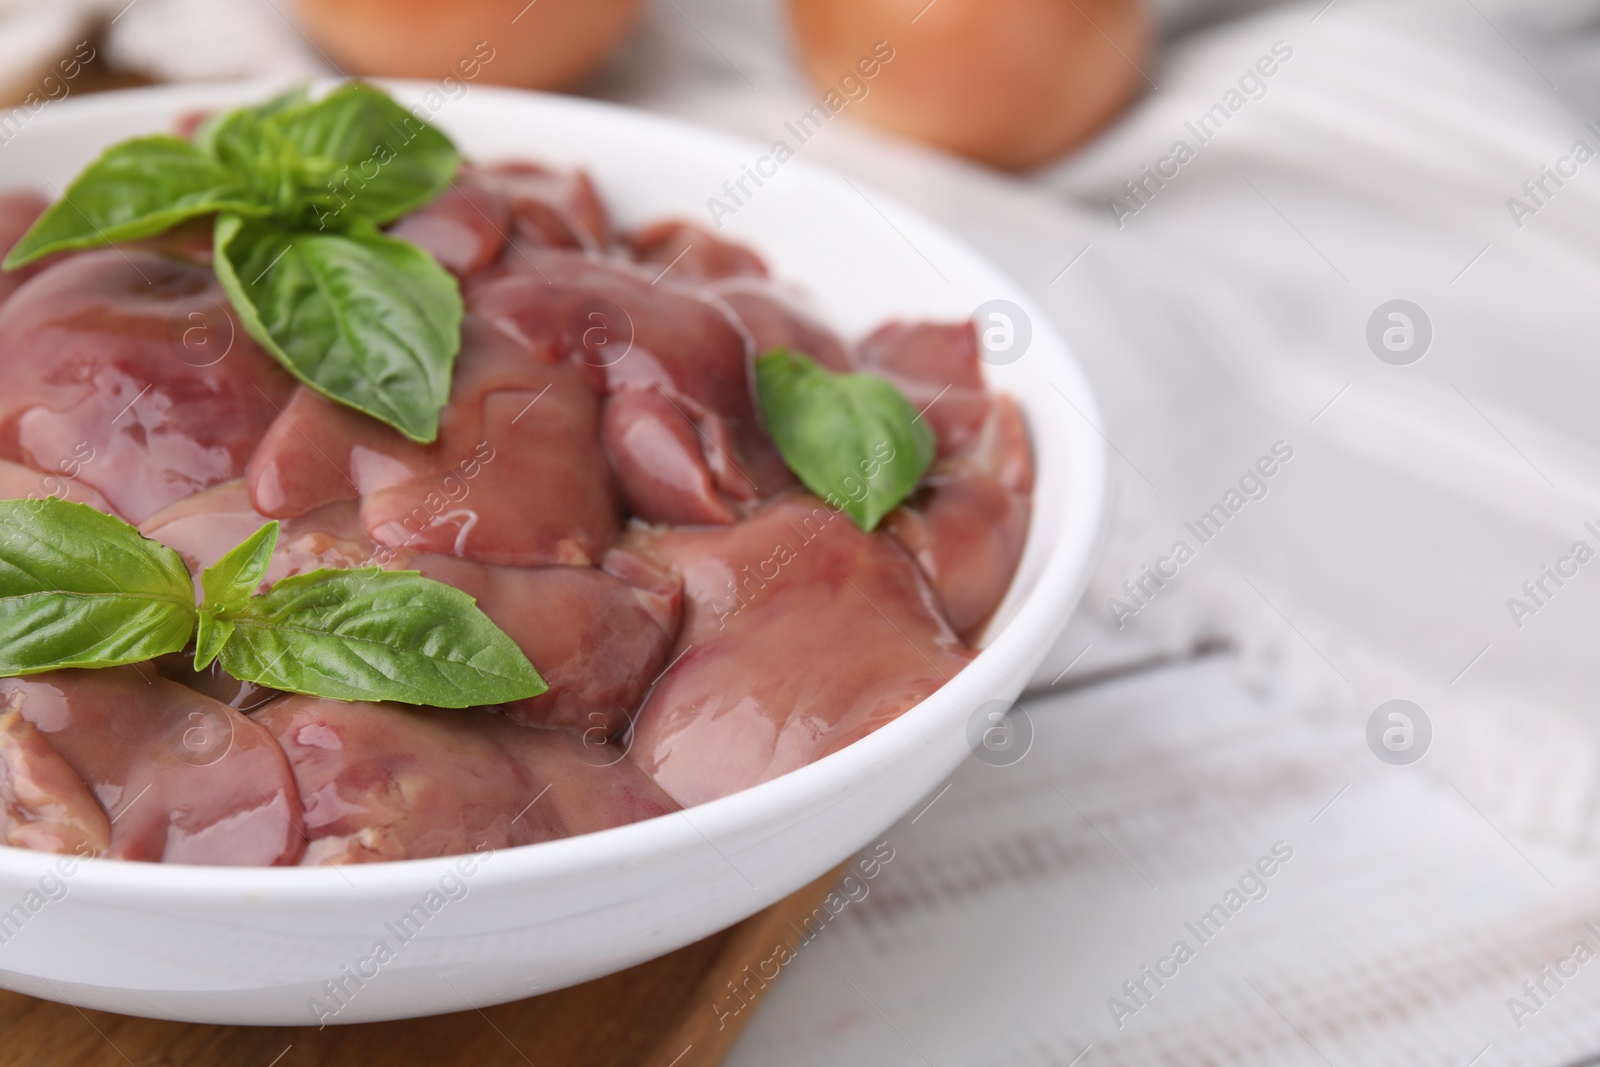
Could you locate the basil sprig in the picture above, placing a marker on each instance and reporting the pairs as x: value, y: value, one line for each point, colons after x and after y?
x: 299, y: 189
x: 853, y: 439
x: 79, y: 588
x: 358, y: 634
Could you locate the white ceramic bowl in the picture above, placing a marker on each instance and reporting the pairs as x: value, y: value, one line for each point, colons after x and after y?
x: 254, y: 945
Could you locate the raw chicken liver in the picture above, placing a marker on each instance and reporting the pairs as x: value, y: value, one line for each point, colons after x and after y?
x: 553, y: 207
x: 690, y: 252
x: 186, y: 778
x: 384, y: 782
x: 936, y: 366
x: 637, y: 336
x: 44, y: 805
x: 516, y: 476
x: 966, y: 526
x: 465, y: 228
x: 24, y: 483
x: 136, y: 357
x: 801, y: 634
x: 17, y: 212
x: 598, y: 638
x: 774, y: 320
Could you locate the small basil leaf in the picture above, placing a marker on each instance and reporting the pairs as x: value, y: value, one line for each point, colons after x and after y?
x: 360, y: 155
x: 853, y: 439
x: 79, y: 588
x: 368, y: 320
x: 248, y: 144
x: 228, y: 584
x: 371, y: 634
x: 209, y: 638
x: 231, y: 580
x: 219, y: 134
x: 135, y: 189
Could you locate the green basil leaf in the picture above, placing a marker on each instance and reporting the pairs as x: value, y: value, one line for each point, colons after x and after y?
x: 372, y: 634
x: 360, y: 155
x: 224, y: 133
x: 209, y: 638
x: 247, y: 143
x: 368, y: 320
x: 228, y: 585
x: 853, y: 439
x: 79, y: 588
x: 135, y: 189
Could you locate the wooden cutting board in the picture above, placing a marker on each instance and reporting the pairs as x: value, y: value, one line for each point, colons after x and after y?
x: 658, y: 1014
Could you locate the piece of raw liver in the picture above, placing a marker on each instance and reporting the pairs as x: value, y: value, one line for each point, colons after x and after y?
x: 967, y: 524
x: 693, y: 254
x: 383, y: 781
x: 560, y: 208
x: 465, y: 228
x: 774, y: 319
x: 202, y: 528
x: 18, y: 210
x: 607, y: 318
x: 24, y: 483
x: 44, y: 805
x: 516, y: 476
x: 186, y: 778
x: 598, y: 638
x: 659, y: 459
x: 936, y: 365
x: 801, y: 634
x: 136, y: 357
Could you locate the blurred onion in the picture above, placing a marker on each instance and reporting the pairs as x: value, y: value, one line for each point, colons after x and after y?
x: 1010, y: 82
x: 547, y: 44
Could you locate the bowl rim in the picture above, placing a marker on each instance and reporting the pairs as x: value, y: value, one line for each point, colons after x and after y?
x: 1068, y: 563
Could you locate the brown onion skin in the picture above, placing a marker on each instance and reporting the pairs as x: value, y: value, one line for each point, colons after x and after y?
x: 553, y: 44
x: 1011, y: 83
